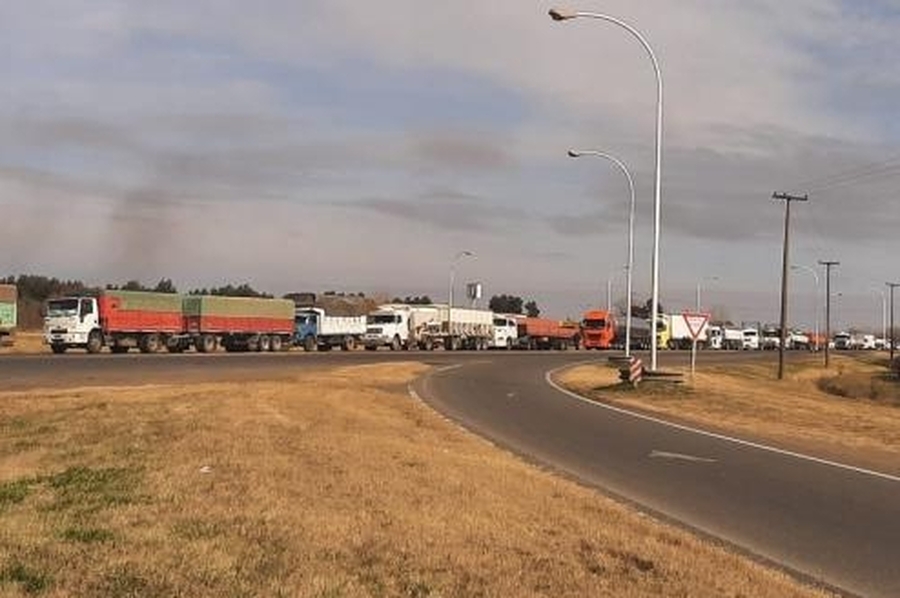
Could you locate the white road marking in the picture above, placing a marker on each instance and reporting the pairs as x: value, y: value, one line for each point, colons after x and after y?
x: 548, y: 376
x: 654, y: 454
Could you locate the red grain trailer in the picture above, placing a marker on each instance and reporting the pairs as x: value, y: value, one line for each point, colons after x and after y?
x: 238, y: 323
x: 543, y: 334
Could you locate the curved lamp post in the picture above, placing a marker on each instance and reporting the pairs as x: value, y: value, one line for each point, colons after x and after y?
x: 630, y: 266
x: 558, y: 14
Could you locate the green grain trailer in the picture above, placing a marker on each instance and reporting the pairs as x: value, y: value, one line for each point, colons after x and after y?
x: 8, y: 314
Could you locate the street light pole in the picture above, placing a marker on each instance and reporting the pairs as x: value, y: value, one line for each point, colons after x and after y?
x: 630, y: 266
x: 565, y: 15
x: 816, y: 302
x: 892, y: 286
x: 456, y: 258
x: 828, y: 265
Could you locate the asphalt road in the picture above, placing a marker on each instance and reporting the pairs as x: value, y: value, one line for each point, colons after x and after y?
x: 834, y: 524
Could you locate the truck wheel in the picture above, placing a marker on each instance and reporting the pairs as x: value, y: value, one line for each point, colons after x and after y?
x: 118, y: 349
x: 349, y: 344
x: 58, y: 349
x: 276, y: 344
x: 149, y: 343
x: 509, y: 344
x: 428, y: 344
x: 265, y: 343
x: 94, y: 343
x: 395, y: 343
x: 371, y: 348
x: 309, y: 343
x: 207, y: 344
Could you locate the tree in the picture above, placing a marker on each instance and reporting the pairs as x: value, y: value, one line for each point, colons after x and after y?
x: 643, y: 312
x: 165, y: 285
x: 532, y: 310
x: 505, y: 304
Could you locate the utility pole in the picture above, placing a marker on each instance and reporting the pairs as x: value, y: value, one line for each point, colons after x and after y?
x: 892, y: 286
x: 828, y: 265
x: 785, y: 268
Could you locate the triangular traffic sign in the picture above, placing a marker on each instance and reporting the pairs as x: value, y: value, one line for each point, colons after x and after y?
x: 695, y: 323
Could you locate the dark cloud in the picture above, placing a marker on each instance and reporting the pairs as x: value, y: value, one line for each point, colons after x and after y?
x: 446, y: 209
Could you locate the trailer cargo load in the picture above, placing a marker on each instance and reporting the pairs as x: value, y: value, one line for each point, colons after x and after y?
x: 315, y: 329
x: 238, y: 323
x: 541, y: 333
x: 8, y: 314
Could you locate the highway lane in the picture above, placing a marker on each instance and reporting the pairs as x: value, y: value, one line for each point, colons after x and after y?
x: 837, y: 525
x: 20, y: 372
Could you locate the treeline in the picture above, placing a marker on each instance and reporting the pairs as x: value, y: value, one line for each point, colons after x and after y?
x: 512, y: 304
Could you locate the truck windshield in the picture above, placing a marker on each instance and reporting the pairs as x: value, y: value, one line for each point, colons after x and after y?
x: 501, y: 322
x: 62, y: 307
x: 381, y: 319
x: 594, y: 324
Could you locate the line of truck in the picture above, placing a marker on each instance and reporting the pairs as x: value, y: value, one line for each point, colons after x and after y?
x: 149, y: 322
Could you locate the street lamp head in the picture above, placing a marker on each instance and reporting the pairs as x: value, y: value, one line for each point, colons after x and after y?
x: 562, y: 14
x: 574, y: 154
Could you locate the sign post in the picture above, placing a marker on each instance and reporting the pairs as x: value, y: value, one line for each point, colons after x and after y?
x: 696, y: 323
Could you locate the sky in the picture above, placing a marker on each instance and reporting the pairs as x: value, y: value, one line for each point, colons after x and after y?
x: 360, y: 146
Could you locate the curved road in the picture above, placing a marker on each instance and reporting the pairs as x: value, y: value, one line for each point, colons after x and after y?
x: 831, y: 523
x: 834, y: 524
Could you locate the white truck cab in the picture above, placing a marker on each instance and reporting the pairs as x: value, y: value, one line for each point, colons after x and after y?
x: 387, y: 326
x: 751, y: 339
x: 506, y: 332
x: 72, y: 322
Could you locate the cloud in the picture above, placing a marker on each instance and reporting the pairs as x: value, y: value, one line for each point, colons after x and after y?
x: 443, y: 209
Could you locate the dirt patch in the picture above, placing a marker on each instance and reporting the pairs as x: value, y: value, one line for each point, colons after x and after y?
x: 807, y: 411
x: 335, y: 483
x: 26, y: 343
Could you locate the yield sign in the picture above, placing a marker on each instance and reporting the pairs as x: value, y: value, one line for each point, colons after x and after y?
x: 695, y: 323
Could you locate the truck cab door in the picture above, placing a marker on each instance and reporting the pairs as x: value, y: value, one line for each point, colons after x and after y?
x: 87, y: 312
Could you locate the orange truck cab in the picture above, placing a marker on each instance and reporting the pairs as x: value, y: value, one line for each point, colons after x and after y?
x: 598, y: 329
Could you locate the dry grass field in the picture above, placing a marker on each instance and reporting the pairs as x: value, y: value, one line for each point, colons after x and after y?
x: 26, y: 343
x: 332, y: 484
x: 849, y: 412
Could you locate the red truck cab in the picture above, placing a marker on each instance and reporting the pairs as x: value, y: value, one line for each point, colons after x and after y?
x: 598, y: 329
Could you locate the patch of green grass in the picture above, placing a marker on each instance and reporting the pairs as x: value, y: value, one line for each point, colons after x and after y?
x: 87, y: 535
x: 31, y: 580
x: 14, y: 492
x: 90, y: 490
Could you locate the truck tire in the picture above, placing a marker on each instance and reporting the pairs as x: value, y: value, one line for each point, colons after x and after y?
x: 395, y: 343
x: 428, y: 344
x: 58, y: 349
x: 119, y: 349
x: 310, y: 344
x: 206, y: 344
x: 509, y: 343
x: 349, y: 344
x: 95, y: 342
x: 265, y: 343
x: 276, y: 345
x: 371, y: 348
x: 149, y: 343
